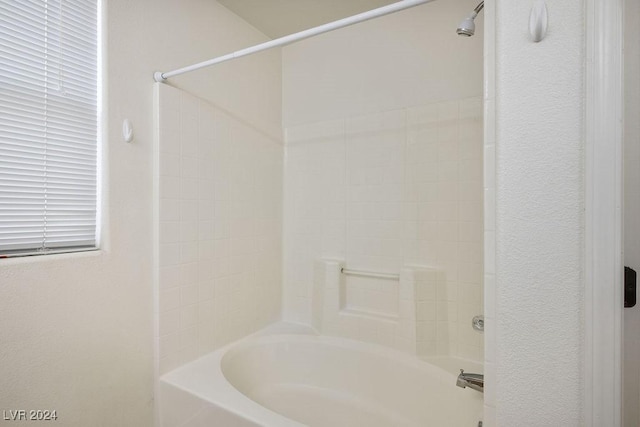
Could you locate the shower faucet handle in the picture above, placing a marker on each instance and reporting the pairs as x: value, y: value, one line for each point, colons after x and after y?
x: 477, y: 323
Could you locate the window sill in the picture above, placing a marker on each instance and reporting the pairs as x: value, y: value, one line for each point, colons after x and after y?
x: 52, y: 255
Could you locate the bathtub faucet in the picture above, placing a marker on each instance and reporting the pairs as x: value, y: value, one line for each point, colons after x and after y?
x: 473, y: 381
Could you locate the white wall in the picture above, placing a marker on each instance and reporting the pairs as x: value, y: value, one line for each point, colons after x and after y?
x: 384, y: 168
x: 77, y: 329
x: 539, y: 218
x: 632, y: 209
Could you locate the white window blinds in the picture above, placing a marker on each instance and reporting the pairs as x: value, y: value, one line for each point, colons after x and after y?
x: 48, y: 124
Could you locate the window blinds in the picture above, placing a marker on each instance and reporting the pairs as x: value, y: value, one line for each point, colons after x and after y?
x: 48, y: 124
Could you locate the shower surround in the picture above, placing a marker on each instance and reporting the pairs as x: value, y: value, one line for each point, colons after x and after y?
x: 383, y: 172
x: 384, y: 192
x: 381, y: 177
x: 219, y: 220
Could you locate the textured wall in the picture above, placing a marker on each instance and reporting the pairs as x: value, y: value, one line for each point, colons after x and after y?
x: 539, y: 222
x: 631, y: 376
x: 77, y: 329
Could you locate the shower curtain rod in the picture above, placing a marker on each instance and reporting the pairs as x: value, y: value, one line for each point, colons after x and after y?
x: 365, y: 16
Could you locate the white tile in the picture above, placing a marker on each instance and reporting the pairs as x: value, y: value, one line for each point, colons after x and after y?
x: 448, y: 170
x: 189, y: 167
x: 471, y: 273
x: 169, y: 187
x: 376, y: 122
x: 169, y: 344
x: 188, y: 231
x: 206, y: 230
x: 412, y: 181
x: 169, y: 321
x: 188, y: 316
x: 169, y: 299
x: 170, y: 110
x: 206, y: 120
x: 471, y: 108
x: 169, y: 254
x: 210, y: 161
x: 447, y: 111
x: 188, y: 274
x: 169, y: 164
x: 188, y: 295
x: 169, y: 276
x: 422, y: 114
x: 315, y: 132
x: 169, y: 210
x: 206, y: 290
x: 189, y: 189
x: 205, y: 210
x: 471, y: 170
x: 447, y: 231
x: 189, y: 136
x: 189, y: 252
x: 189, y: 338
x: 169, y: 232
x: 170, y: 141
x: 470, y: 231
x: 189, y: 105
x: 426, y: 311
x: 469, y: 210
x: 448, y: 146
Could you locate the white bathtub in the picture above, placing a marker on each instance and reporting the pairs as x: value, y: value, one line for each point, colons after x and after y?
x: 276, y: 379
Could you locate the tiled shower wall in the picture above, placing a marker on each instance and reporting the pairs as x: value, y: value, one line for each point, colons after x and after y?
x: 385, y: 190
x: 218, y: 223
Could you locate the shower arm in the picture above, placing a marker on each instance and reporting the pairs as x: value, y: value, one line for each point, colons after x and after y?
x: 341, y: 23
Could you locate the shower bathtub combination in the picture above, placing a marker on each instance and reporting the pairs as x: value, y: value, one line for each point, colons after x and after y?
x: 290, y: 375
x: 358, y: 362
x: 285, y: 375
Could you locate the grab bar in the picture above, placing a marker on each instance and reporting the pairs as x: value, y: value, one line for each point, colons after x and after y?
x: 370, y: 274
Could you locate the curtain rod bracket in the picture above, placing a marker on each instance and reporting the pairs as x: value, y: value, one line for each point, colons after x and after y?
x: 159, y: 77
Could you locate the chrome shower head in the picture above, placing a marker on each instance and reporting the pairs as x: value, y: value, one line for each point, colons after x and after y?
x: 467, y: 27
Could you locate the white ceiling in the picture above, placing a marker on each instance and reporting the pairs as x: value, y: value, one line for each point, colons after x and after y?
x: 277, y: 18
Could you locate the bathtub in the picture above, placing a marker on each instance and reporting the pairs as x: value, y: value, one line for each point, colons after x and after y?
x: 285, y: 376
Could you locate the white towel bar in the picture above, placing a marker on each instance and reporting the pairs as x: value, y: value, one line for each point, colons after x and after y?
x: 370, y: 274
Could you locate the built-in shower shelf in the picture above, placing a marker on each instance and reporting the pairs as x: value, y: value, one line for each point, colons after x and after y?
x: 339, y: 305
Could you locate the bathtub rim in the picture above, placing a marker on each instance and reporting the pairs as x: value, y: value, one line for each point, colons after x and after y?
x: 218, y: 390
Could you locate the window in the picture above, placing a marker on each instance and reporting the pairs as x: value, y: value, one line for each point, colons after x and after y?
x: 48, y: 125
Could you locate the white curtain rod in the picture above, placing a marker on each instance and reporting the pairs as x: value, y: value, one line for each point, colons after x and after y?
x: 381, y: 11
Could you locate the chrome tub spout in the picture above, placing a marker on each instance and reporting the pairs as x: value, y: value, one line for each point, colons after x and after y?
x: 473, y: 381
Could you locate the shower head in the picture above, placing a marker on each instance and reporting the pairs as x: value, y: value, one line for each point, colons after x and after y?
x: 468, y: 26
